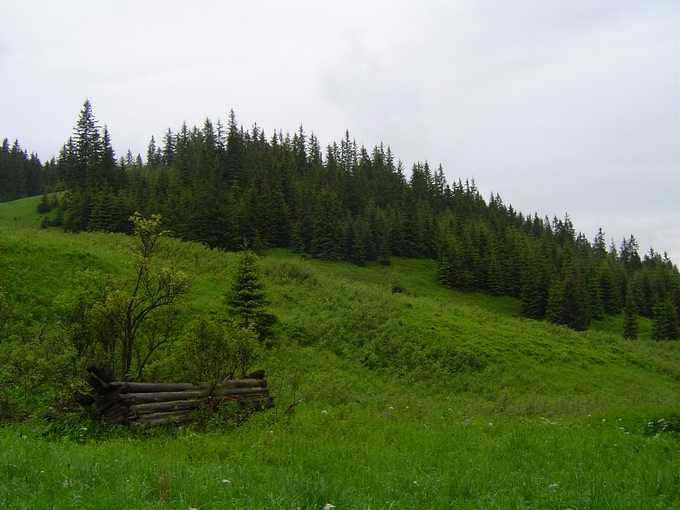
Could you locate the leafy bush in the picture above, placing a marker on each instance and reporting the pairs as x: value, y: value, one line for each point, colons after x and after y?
x: 38, y: 373
x: 293, y: 271
x: 398, y: 287
x: 227, y: 415
x: 213, y: 350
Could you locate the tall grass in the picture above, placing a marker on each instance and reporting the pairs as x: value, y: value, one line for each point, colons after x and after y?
x: 352, y: 457
x: 391, y: 392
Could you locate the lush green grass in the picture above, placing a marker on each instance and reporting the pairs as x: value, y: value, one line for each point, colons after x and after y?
x: 356, y: 441
x: 422, y: 455
x: 426, y: 398
x: 473, y: 346
x: 20, y: 213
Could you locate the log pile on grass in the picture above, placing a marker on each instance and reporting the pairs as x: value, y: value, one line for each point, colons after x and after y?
x: 150, y: 404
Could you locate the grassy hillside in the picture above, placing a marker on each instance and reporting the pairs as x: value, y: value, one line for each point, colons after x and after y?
x: 413, y: 396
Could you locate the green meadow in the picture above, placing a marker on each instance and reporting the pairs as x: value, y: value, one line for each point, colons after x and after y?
x: 390, y: 390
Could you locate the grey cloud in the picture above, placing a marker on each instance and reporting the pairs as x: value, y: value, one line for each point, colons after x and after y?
x: 561, y: 106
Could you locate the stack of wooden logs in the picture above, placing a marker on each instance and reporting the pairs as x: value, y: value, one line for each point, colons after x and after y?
x: 149, y: 404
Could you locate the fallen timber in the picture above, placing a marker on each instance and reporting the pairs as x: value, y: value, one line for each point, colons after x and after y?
x: 149, y: 404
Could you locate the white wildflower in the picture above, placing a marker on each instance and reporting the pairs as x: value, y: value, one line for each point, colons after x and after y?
x: 329, y: 506
x: 490, y: 424
x: 552, y: 486
x: 226, y: 482
x: 324, y: 412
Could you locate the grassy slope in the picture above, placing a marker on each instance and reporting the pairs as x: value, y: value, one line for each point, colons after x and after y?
x: 434, y: 335
x: 566, y: 408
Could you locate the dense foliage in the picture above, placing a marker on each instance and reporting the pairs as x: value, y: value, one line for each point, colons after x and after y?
x: 219, y: 185
x: 20, y: 174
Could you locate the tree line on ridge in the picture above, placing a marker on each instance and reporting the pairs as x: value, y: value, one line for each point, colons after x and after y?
x: 220, y: 184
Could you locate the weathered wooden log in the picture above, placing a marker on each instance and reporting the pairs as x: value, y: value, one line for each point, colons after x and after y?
x: 120, y: 386
x: 243, y: 383
x: 105, y: 401
x: 103, y: 371
x: 145, y: 398
x: 155, y: 419
x: 165, y: 396
x: 137, y: 387
x: 117, y: 410
x: 122, y: 415
x: 97, y: 384
x: 195, y: 403
x: 111, y: 403
x: 175, y: 405
x: 122, y: 402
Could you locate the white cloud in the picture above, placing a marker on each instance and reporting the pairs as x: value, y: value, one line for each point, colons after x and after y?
x: 565, y: 106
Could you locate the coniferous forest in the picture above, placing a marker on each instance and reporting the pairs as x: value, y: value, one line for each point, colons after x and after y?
x: 226, y: 186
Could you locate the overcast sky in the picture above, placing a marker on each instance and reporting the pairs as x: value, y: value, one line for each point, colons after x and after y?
x: 560, y: 106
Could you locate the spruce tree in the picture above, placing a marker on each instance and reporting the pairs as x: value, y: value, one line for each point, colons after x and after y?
x: 358, y: 241
x: 44, y: 205
x: 327, y: 242
x: 494, y: 279
x: 568, y: 301
x: 577, y: 313
x: 630, y: 321
x: 536, y: 281
x: 153, y: 154
x: 88, y: 147
x: 556, y: 303
x: 246, y: 300
x: 234, y: 172
x: 665, y: 325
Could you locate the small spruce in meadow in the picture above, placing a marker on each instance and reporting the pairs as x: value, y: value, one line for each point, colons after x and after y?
x: 246, y: 301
